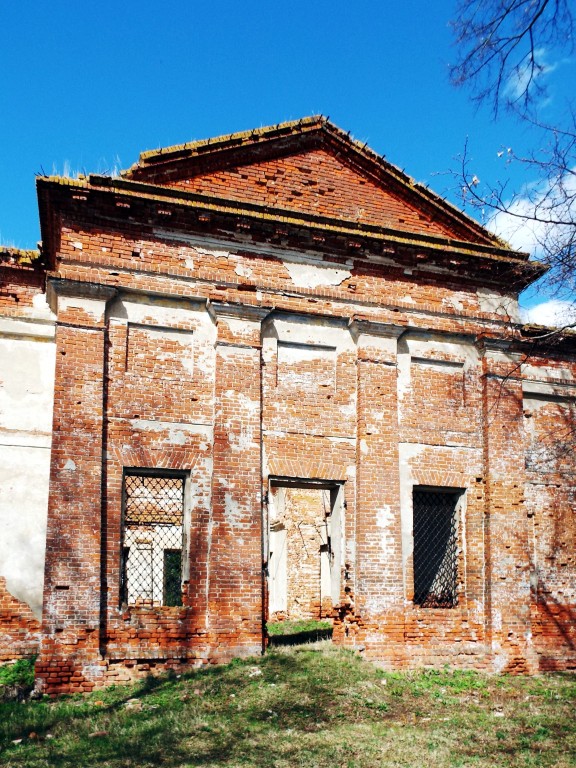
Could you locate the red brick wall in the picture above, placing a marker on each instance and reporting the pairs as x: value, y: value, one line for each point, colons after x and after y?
x: 550, y: 432
x: 315, y: 182
x: 186, y: 365
x: 19, y: 283
x: 133, y: 256
x: 69, y: 657
x: 19, y: 628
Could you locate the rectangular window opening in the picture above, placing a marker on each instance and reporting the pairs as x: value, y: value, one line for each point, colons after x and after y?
x: 152, y: 539
x: 436, y: 547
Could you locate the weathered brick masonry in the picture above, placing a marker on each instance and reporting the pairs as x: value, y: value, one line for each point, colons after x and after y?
x: 278, y: 337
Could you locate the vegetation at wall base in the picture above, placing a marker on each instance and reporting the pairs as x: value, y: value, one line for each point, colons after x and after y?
x: 17, y: 679
x: 297, y: 632
x: 314, y: 705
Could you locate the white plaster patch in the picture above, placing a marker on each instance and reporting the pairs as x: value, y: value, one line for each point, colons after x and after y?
x: 24, y: 475
x: 23, y: 328
x: 39, y: 302
x: 350, y: 550
x: 177, y: 437
x: 243, y: 440
x: 313, y: 275
x: 184, y: 339
x: 243, y: 271
x: 93, y: 307
x: 403, y: 380
x: 218, y: 253
x: 232, y: 511
x: 384, y: 519
x: 26, y: 386
x: 539, y: 373
x: 373, y: 426
x: 377, y: 604
x: 363, y: 447
x: 70, y: 465
x: 432, y: 348
x: 453, y: 302
x: 497, y: 621
x: 493, y: 302
x: 238, y: 326
x: 348, y: 410
x: 321, y: 331
x: 157, y: 310
x: 335, y: 439
x: 500, y: 662
x: 173, y: 428
x: 250, y: 407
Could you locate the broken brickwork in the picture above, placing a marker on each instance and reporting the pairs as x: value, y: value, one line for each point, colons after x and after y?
x: 19, y: 628
x: 304, y: 341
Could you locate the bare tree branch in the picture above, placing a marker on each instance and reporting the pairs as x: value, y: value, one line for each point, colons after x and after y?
x: 503, y: 45
x: 546, y: 208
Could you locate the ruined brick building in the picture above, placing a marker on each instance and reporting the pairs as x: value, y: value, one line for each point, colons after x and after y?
x: 268, y: 375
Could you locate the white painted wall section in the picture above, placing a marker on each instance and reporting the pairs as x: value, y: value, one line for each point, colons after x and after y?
x: 27, y: 359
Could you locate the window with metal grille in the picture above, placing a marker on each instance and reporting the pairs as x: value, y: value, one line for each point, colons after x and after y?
x: 152, y: 539
x: 435, y: 547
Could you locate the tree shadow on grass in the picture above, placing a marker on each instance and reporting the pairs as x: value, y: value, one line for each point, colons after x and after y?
x: 218, y: 716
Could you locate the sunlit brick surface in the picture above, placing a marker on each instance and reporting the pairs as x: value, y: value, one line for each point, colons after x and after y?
x: 357, y: 344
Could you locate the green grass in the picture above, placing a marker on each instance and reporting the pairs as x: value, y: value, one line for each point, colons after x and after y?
x: 283, y: 633
x: 276, y: 628
x: 306, y: 706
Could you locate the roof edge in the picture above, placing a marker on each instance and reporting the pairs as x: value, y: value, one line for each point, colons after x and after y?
x: 19, y: 256
x: 119, y: 185
x: 237, y: 139
x: 81, y: 190
x: 309, y: 125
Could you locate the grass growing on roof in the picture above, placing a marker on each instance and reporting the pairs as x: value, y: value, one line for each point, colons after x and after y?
x: 304, y: 706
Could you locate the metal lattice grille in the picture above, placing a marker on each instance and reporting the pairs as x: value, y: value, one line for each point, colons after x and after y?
x: 435, y: 549
x: 152, y: 544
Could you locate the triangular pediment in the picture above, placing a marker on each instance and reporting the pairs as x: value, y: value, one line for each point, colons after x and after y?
x: 309, y: 167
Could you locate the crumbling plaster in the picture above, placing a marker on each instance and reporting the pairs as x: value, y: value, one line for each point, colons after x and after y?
x: 239, y: 349
x: 26, y: 398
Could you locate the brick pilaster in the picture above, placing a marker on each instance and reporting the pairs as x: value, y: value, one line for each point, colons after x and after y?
x: 69, y: 657
x: 379, y: 579
x: 506, y: 529
x: 235, y: 587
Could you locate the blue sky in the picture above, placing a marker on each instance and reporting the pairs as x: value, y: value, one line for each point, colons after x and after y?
x: 84, y: 87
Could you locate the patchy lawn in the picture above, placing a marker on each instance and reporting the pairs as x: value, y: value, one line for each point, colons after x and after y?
x: 305, y: 706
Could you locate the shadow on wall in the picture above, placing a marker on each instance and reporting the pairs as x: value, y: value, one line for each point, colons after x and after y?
x: 550, y: 465
x: 554, y: 621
